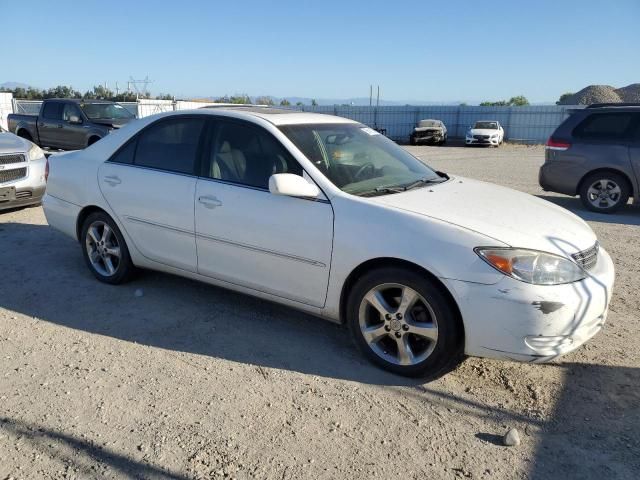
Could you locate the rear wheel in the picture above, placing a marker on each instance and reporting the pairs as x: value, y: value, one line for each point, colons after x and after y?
x: 402, y: 322
x: 604, y: 192
x: 412, y: 140
x: 104, y: 249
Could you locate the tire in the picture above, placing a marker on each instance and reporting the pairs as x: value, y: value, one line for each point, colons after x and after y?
x: 443, y: 141
x: 433, y: 351
x: 92, y: 233
x: 92, y: 140
x: 26, y: 135
x: 616, y: 192
x: 412, y: 140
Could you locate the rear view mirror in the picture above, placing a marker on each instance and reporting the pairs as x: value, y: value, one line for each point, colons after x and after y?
x: 291, y: 185
x: 74, y: 119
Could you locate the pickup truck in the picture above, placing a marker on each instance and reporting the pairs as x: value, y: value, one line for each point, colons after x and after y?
x: 69, y: 124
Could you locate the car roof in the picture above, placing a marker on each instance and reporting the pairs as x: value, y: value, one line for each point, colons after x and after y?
x: 276, y: 116
x: 79, y: 100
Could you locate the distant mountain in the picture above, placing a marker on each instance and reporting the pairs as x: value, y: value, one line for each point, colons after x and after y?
x: 12, y: 85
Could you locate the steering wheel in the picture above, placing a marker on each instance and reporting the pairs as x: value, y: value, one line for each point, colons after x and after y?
x: 367, y: 167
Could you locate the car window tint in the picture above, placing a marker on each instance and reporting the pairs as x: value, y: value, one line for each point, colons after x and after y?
x: 604, y: 126
x: 248, y: 155
x: 70, y: 110
x: 125, y: 154
x: 52, y: 110
x: 170, y: 145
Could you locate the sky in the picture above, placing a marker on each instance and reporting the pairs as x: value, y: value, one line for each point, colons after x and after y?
x: 453, y: 50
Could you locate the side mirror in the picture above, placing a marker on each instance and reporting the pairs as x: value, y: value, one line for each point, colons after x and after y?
x: 75, y: 120
x: 292, y: 185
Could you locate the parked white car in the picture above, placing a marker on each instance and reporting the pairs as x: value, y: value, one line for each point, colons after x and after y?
x: 328, y: 216
x: 22, y: 172
x: 485, y: 132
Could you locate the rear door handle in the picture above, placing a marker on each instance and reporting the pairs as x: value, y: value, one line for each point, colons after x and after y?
x: 210, y: 202
x: 112, y: 180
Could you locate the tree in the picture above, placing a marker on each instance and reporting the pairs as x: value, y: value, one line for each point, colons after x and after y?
x: 299, y: 104
x: 285, y: 103
x: 241, y: 99
x: 519, y: 101
x: 164, y: 96
x: 564, y: 97
x: 314, y: 103
x: 264, y: 100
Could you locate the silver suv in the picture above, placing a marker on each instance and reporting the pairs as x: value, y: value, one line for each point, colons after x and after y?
x: 595, y: 153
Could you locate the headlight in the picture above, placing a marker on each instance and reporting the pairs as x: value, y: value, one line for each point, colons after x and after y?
x: 532, y: 266
x: 495, y: 135
x: 469, y: 134
x: 35, y: 153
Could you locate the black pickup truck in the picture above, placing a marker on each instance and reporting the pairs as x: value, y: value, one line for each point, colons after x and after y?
x: 69, y: 124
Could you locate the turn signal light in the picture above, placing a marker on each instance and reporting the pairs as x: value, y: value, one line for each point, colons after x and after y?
x: 501, y: 263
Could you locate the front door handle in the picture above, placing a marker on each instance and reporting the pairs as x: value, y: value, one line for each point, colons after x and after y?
x: 210, y: 202
x: 112, y: 180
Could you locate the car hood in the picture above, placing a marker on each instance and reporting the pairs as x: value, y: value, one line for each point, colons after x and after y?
x: 483, y: 131
x: 112, y: 122
x: 507, y: 216
x: 10, y: 143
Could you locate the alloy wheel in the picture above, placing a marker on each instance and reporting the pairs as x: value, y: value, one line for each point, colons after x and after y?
x: 103, y: 248
x: 398, y: 324
x: 604, y: 193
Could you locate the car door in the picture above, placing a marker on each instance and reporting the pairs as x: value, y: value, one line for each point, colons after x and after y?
x: 150, y: 184
x: 72, y: 135
x: 50, y: 124
x: 247, y: 236
x: 634, y: 152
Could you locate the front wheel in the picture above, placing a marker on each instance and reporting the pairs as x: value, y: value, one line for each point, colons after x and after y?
x: 104, y: 249
x: 604, y: 192
x: 402, y: 322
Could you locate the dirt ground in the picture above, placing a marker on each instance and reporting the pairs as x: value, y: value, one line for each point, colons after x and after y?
x: 192, y: 381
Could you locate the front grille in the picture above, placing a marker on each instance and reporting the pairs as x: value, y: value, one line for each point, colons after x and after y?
x: 481, y: 137
x: 26, y: 194
x: 588, y: 258
x: 11, y: 175
x: 12, y: 158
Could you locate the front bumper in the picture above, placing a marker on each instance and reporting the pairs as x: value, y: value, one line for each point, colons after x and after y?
x: 488, y: 141
x: 534, y: 323
x: 29, y: 189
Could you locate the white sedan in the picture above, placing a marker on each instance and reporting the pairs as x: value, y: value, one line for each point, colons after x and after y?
x: 485, y: 132
x: 328, y: 216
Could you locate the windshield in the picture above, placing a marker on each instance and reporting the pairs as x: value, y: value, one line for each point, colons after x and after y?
x: 429, y: 123
x: 359, y: 160
x: 486, y: 125
x: 105, y: 111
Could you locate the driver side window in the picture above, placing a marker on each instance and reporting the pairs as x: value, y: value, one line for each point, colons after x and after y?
x: 247, y: 155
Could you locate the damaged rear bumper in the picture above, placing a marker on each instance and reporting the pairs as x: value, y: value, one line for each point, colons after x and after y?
x: 533, y: 323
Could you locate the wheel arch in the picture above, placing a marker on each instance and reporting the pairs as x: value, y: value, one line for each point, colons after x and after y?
x: 24, y: 132
x: 384, y: 262
x: 607, y: 170
x: 84, y: 213
x: 93, y: 138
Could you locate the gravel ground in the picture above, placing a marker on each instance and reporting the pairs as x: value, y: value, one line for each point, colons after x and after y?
x: 168, y: 378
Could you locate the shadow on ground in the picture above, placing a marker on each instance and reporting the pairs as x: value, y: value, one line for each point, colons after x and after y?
x: 628, y: 215
x: 52, y: 283
x: 591, y: 434
x: 84, y: 457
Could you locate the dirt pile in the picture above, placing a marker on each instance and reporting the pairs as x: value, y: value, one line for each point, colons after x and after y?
x: 604, y: 94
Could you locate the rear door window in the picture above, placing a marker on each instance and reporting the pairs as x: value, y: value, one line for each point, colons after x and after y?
x: 604, y: 126
x: 53, y: 110
x: 170, y: 145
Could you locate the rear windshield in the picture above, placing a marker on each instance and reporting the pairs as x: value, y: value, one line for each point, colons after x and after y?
x: 105, y: 111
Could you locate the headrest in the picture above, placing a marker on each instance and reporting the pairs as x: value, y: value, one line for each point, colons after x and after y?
x: 225, y: 148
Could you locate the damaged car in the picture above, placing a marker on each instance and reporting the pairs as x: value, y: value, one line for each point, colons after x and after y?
x: 433, y: 132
